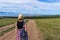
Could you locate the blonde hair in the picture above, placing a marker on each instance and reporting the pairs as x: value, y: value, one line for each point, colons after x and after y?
x: 20, y: 16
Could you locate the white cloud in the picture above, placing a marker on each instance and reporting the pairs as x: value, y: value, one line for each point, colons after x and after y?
x: 28, y: 5
x: 46, y: 6
x: 16, y: 1
x: 32, y: 4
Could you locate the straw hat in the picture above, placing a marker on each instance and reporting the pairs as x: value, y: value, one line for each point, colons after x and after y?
x: 20, y: 16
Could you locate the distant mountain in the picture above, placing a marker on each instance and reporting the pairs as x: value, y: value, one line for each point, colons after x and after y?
x: 15, y: 14
x: 8, y: 13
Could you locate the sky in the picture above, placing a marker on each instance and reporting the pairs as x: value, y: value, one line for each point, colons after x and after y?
x: 30, y: 7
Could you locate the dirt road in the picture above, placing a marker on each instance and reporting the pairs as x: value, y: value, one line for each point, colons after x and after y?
x: 6, y: 27
x: 32, y: 32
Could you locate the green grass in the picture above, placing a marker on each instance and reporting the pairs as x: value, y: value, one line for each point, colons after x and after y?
x: 7, y: 21
x: 49, y: 28
x: 6, y: 31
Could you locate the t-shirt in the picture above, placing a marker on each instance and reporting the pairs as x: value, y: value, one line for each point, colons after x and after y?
x: 20, y: 24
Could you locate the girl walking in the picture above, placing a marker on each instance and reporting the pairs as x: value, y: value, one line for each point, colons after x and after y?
x: 20, y: 26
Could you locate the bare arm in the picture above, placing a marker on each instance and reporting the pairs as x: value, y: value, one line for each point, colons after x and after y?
x: 25, y: 27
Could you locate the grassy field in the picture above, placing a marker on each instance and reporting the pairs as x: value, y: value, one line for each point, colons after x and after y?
x: 49, y: 28
x: 7, y: 21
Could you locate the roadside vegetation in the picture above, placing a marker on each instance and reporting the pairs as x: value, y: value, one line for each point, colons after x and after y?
x: 7, y: 21
x: 49, y: 28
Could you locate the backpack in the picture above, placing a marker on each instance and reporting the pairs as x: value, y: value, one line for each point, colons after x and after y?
x: 23, y: 33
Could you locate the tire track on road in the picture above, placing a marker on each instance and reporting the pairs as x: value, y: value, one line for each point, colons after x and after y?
x: 32, y: 31
x: 6, y: 27
x: 8, y: 35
